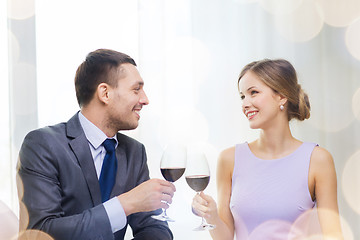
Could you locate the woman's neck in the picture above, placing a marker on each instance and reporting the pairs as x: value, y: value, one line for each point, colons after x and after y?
x: 275, y: 142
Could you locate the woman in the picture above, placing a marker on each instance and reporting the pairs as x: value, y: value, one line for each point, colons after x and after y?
x: 276, y: 177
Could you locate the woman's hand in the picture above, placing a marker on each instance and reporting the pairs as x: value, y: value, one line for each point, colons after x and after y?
x: 205, y: 206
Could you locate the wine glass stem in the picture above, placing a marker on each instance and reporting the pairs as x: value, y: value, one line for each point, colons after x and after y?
x: 202, y: 218
x: 202, y: 221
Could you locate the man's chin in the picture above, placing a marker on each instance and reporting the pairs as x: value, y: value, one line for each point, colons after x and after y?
x: 129, y: 127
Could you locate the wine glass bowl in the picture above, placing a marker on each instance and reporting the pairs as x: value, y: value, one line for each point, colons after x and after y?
x: 172, y: 174
x: 198, y: 182
x: 198, y: 177
x: 172, y: 167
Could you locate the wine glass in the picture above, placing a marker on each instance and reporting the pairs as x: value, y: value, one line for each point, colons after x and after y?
x: 197, y: 177
x: 172, y: 167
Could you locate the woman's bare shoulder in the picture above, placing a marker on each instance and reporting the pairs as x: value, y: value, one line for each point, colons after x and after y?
x: 322, y: 163
x: 320, y: 156
x: 227, y: 155
x: 226, y: 161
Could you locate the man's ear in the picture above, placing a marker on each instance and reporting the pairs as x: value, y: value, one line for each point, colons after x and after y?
x: 103, y: 92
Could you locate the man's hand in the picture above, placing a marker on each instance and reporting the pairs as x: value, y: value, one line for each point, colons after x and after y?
x: 148, y: 196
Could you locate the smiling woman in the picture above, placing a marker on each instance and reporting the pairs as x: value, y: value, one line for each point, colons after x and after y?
x: 277, y: 177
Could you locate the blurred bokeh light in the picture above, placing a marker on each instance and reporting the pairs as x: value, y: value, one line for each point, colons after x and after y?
x: 356, y: 104
x: 21, y: 9
x: 20, y: 186
x: 279, y: 229
x: 307, y: 226
x: 280, y: 6
x: 9, y: 224
x: 302, y: 24
x: 350, y: 181
x: 340, y: 13
x: 352, y: 39
x: 34, y: 235
x: 245, y: 1
x: 24, y: 216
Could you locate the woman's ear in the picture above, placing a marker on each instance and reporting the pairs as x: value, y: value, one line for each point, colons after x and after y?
x: 282, y: 99
x: 103, y: 92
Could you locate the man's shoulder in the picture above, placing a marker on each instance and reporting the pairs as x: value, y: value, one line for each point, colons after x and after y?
x: 48, y: 130
x: 45, y: 139
x: 56, y: 130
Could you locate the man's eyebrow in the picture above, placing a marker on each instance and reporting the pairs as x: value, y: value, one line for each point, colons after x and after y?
x: 139, y: 83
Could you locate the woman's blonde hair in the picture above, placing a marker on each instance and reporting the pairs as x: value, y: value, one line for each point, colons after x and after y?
x: 281, y: 77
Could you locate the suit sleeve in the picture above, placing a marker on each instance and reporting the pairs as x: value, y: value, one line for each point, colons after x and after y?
x: 143, y: 225
x: 42, y: 194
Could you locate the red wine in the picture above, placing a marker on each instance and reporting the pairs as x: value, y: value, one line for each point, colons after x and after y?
x: 198, y: 182
x: 172, y: 174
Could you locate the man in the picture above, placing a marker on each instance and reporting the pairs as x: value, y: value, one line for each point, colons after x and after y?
x: 63, y: 167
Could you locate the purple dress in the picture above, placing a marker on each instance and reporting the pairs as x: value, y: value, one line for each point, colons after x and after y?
x: 270, y: 193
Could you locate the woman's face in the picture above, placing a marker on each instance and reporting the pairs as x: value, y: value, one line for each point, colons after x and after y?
x: 260, y: 104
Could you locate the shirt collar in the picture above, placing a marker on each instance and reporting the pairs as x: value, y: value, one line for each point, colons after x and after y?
x: 93, y: 134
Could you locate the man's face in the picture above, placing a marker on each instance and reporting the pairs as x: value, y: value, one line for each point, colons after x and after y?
x: 127, y: 99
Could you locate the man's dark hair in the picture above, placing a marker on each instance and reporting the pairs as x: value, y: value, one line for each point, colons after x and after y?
x: 98, y: 67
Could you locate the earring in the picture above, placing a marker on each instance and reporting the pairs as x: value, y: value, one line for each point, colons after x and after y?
x: 281, y: 107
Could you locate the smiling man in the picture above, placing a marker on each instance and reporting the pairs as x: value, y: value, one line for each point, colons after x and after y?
x: 84, y: 180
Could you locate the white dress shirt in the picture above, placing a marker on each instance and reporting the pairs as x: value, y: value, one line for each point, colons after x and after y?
x: 95, y: 139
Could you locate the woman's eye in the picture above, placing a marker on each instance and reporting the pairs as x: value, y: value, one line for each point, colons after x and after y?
x: 254, y: 92
x: 242, y: 97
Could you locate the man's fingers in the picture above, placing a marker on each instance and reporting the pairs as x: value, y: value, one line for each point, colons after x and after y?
x: 167, y: 184
x: 164, y: 205
x: 166, y: 198
x: 168, y: 190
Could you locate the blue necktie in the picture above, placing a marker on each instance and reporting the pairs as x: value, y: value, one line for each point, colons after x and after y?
x: 108, y: 170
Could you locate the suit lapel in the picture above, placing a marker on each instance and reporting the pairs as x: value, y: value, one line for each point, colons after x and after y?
x: 80, y: 147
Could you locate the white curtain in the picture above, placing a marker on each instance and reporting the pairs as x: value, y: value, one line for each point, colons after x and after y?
x: 189, y: 54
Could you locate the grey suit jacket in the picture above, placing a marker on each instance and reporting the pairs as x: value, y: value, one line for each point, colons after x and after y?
x: 61, y: 188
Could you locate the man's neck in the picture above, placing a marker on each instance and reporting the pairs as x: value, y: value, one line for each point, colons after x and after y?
x: 98, y: 117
